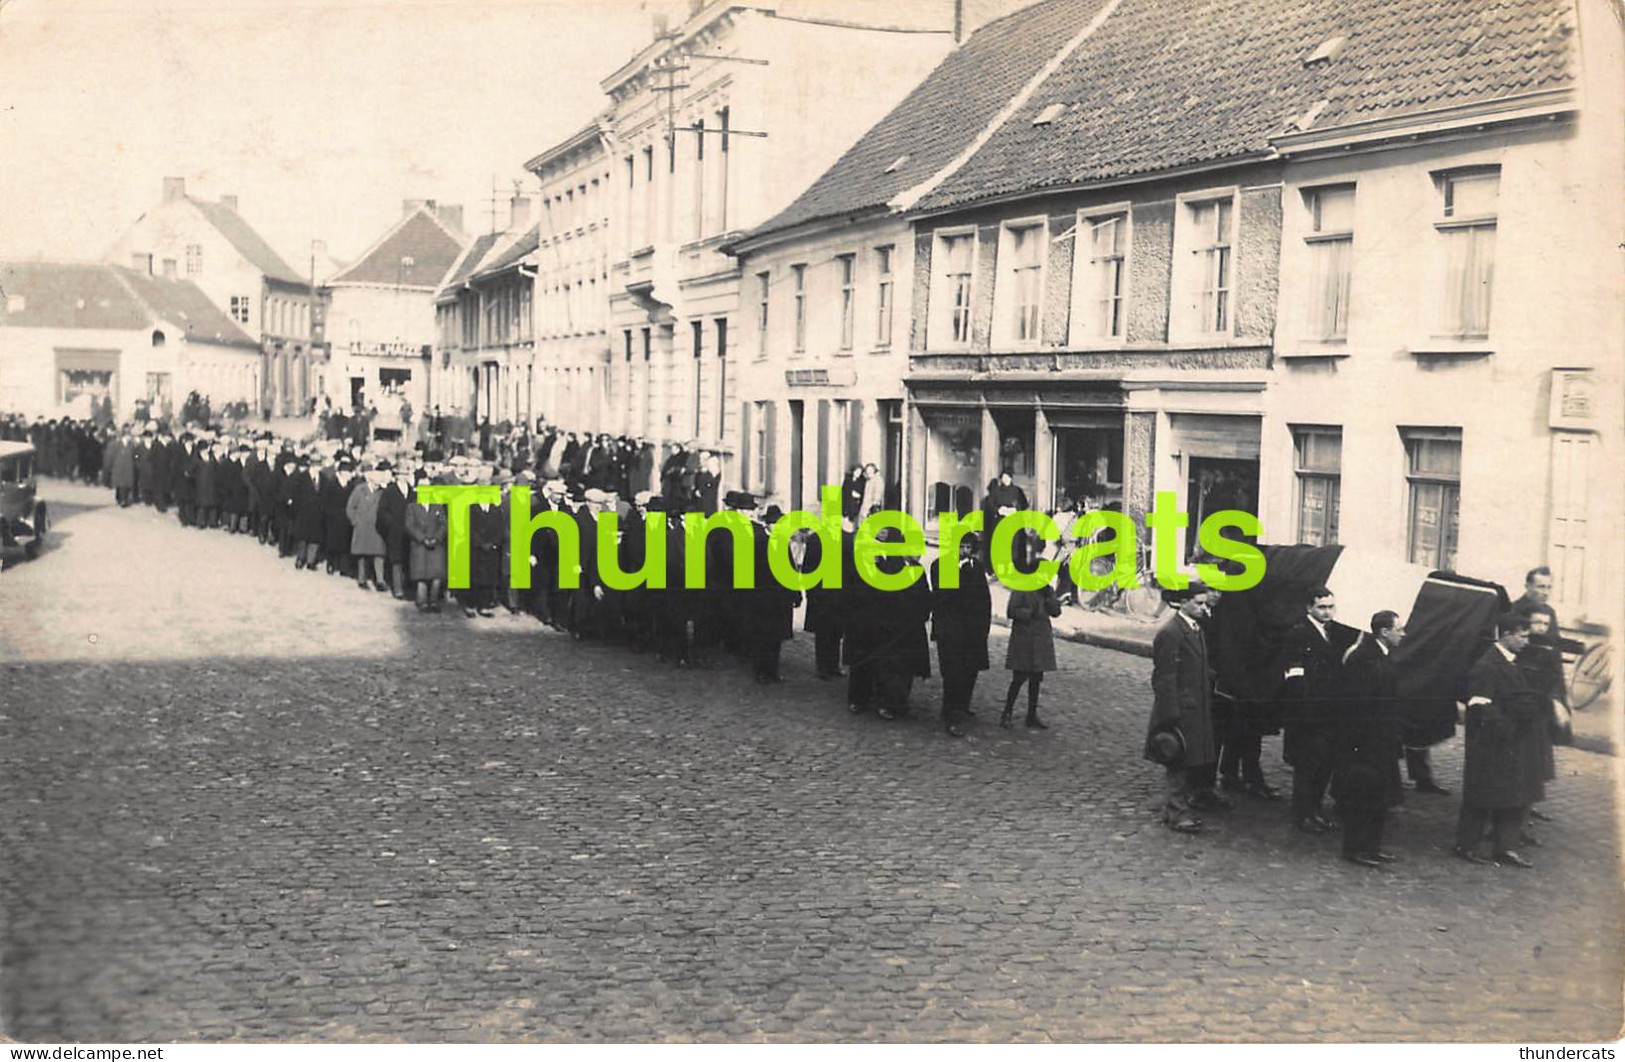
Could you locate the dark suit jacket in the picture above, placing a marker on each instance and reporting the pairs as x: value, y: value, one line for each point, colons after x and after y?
x: 1502, y: 712
x: 1182, y: 690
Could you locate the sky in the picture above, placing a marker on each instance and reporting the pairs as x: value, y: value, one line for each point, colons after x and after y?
x: 319, y: 115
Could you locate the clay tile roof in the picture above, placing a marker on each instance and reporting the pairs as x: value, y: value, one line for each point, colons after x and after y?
x: 942, y: 116
x: 248, y: 242
x: 183, y: 303
x: 100, y: 296
x: 1163, y: 84
x: 473, y: 255
x: 420, y: 236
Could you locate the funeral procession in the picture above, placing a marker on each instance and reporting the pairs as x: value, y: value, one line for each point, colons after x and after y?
x: 988, y: 521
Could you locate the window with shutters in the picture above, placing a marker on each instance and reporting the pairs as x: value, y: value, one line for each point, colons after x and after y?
x: 1330, y: 243
x: 762, y: 438
x: 1433, y: 476
x: 1319, y: 454
x: 194, y: 259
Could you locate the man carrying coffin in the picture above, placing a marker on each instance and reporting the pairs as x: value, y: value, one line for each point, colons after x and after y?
x: 1499, y: 779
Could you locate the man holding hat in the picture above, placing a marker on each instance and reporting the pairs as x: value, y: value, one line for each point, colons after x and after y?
x: 1180, y: 734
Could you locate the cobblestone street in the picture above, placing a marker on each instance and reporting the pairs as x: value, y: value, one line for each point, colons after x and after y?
x: 239, y: 801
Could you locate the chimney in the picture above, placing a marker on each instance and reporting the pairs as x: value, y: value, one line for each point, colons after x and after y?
x: 694, y: 7
x: 409, y: 205
x: 229, y: 202
x: 141, y: 263
x: 660, y: 24
x: 518, y: 212
x: 174, y: 188
x: 959, y: 21
x: 451, y: 216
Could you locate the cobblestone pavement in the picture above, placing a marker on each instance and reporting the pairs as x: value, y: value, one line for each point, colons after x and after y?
x: 243, y: 802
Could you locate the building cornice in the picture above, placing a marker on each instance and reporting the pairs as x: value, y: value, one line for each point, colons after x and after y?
x: 1439, y: 123
x: 752, y: 243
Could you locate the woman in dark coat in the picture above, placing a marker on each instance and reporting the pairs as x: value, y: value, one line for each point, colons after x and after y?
x: 961, y: 619
x: 1031, y: 650
x: 1366, y: 756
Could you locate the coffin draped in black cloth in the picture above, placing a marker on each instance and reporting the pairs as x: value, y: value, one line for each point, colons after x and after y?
x: 1249, y: 626
x: 1452, y: 621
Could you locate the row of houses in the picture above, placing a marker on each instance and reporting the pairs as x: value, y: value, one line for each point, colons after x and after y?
x: 1353, y: 267
x: 1342, y: 266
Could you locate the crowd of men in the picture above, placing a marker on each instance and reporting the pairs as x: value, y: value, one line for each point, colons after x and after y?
x: 1347, y: 728
x: 353, y: 513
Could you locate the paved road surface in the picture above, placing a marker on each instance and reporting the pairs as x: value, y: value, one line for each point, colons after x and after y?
x: 243, y: 802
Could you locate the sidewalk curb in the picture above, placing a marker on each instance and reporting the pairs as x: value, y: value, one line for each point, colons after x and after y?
x: 1132, y: 646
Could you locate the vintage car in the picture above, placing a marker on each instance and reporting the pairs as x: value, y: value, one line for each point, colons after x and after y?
x: 23, y: 518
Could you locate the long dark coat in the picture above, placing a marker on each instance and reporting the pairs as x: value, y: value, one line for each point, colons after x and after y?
x: 962, y: 618
x: 426, y: 527
x: 305, y: 505
x: 123, y: 465
x: 362, y: 509
x: 334, y: 499
x: 826, y: 606
x: 1368, y: 749
x: 1542, y: 664
x: 1311, y: 682
x: 160, y: 460
x: 183, y: 482
x: 488, y: 529
x: 772, y: 608
x: 1182, y: 690
x: 886, y: 628
x: 1032, y: 641
x: 390, y: 522
x: 1499, y: 771
x: 205, y: 472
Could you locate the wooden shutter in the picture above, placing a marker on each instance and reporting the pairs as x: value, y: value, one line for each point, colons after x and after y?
x: 769, y: 445
x: 823, y: 444
x: 744, y: 445
x: 854, y: 432
x: 1572, y: 458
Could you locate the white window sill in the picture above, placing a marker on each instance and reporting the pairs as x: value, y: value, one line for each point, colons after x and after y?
x: 1451, y: 345
x: 1318, y: 348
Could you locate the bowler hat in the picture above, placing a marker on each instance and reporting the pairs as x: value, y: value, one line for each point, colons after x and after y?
x: 739, y: 499
x: 1167, y: 746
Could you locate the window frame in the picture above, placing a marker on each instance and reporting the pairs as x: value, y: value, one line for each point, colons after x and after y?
x: 847, y: 326
x: 764, y: 296
x: 1085, y: 308
x: 940, y: 323
x: 1314, y: 237
x: 885, y: 294
x: 1445, y: 224
x: 1410, y: 435
x: 1005, y: 291
x: 1188, y: 321
x: 798, y: 331
x: 1302, y: 471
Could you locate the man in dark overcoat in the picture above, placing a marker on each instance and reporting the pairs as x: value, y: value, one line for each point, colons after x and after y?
x: 1180, y: 733
x: 1365, y: 780
x: 1499, y: 780
x: 1311, y: 682
x: 961, y: 619
x: 826, y: 617
x: 770, y: 607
